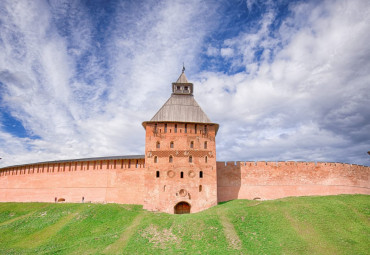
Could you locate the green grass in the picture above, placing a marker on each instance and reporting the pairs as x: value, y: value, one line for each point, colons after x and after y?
x: 305, y: 225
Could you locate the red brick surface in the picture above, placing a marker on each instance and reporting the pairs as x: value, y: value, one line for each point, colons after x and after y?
x: 133, y: 182
x: 271, y: 180
x: 42, y: 182
x: 164, y: 192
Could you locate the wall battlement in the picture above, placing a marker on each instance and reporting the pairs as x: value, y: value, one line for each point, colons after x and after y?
x: 284, y: 163
x: 109, y: 180
x: 271, y: 180
x: 122, y: 180
x: 72, y: 166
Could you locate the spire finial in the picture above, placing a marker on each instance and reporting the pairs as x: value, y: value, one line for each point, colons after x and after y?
x: 183, y: 67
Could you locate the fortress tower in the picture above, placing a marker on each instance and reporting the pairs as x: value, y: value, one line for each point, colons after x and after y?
x: 180, y: 155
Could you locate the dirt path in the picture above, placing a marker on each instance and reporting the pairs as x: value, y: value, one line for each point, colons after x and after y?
x: 230, y: 233
x: 118, y: 246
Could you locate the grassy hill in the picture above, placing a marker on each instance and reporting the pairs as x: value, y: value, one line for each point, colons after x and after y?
x: 305, y: 225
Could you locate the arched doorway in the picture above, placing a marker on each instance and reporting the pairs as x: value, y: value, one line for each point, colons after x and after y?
x: 182, y: 208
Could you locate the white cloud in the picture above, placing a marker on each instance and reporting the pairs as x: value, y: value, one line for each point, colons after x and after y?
x: 306, y: 103
x: 227, y: 52
x: 56, y: 85
x: 303, y: 95
x: 212, y: 51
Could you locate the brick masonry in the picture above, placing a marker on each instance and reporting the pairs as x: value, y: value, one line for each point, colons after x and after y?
x: 135, y: 182
x: 185, y: 160
x: 271, y: 180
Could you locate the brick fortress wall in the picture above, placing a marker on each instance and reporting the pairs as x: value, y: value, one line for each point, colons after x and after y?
x: 118, y: 181
x: 114, y: 181
x: 272, y: 180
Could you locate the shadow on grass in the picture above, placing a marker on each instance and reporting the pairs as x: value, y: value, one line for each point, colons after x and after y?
x: 225, y: 202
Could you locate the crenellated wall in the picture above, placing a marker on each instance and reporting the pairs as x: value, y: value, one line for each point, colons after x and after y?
x: 272, y: 180
x: 122, y: 181
x: 118, y: 181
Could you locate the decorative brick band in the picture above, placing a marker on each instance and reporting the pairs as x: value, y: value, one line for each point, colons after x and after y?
x: 181, y: 153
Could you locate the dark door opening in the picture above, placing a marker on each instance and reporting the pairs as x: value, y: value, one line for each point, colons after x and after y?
x: 182, y: 208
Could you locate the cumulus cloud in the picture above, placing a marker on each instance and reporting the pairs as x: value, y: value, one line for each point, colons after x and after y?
x: 288, y: 86
x: 81, y: 91
x: 307, y: 98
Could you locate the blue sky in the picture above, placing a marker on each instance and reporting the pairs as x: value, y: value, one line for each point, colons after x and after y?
x: 286, y: 80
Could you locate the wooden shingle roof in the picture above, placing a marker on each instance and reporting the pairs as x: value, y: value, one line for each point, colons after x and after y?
x: 181, y: 107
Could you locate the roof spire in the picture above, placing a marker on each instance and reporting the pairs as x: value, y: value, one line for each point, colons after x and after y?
x: 182, y: 78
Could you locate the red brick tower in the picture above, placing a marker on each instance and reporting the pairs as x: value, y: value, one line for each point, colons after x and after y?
x: 180, y: 155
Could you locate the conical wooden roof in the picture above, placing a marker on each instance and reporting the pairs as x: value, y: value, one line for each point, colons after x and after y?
x: 181, y: 107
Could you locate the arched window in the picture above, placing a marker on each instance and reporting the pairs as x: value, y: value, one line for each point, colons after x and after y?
x: 191, y: 144
x: 165, y: 128
x: 171, y: 145
x: 158, y: 145
x: 182, y: 175
x: 201, y: 174
x: 170, y: 159
x: 186, y: 128
x: 206, y: 159
x: 205, y: 145
x: 200, y: 188
x: 155, y: 159
x: 157, y: 174
x: 190, y: 159
x: 195, y: 129
x: 175, y: 128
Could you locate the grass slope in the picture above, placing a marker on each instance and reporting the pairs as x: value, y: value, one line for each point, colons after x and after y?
x: 305, y: 225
